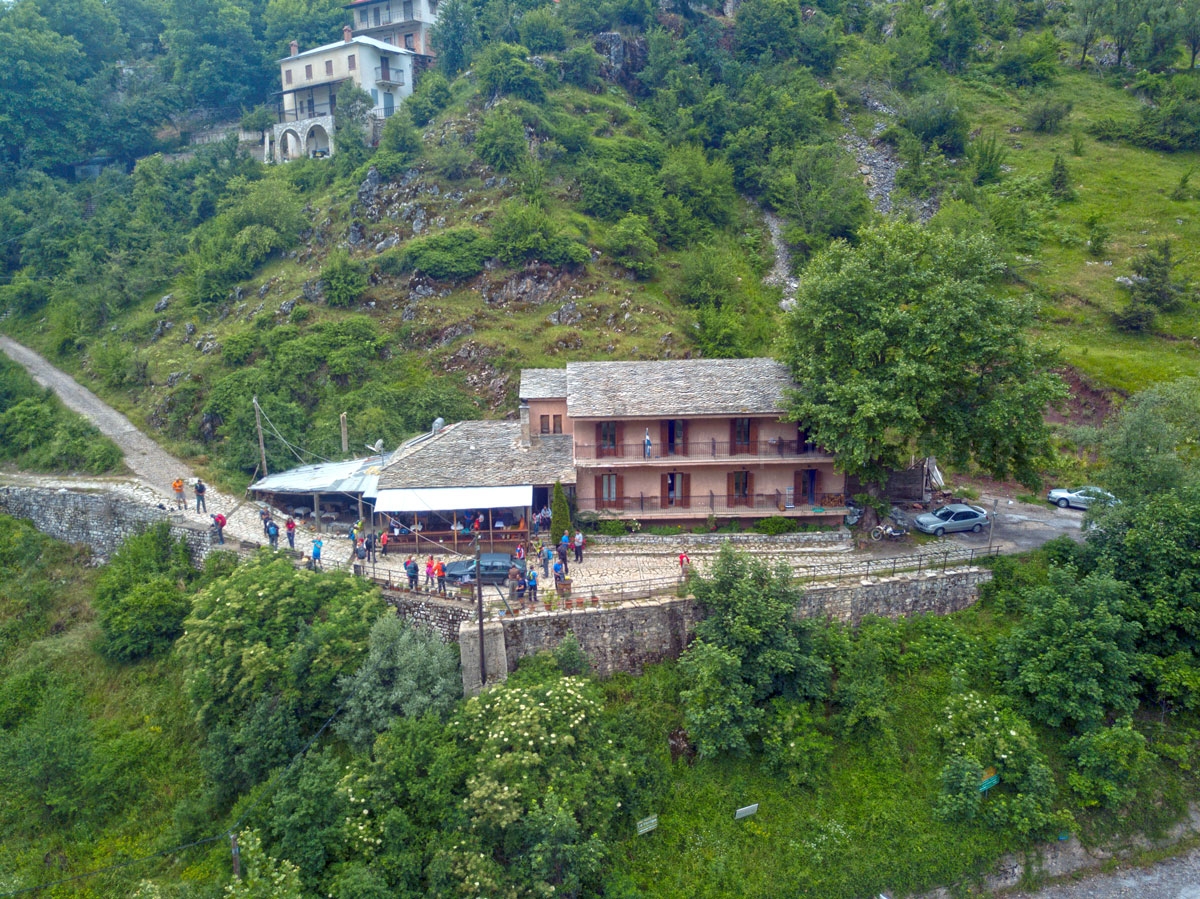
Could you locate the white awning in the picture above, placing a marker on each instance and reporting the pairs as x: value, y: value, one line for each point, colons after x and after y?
x: 451, y: 499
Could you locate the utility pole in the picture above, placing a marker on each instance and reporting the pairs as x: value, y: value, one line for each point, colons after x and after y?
x: 237, y: 856
x: 479, y: 598
x: 992, y: 524
x: 345, y: 434
x: 262, y: 450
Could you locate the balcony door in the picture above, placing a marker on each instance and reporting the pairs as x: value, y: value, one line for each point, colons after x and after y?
x: 743, y: 436
x: 739, y: 488
x: 805, y: 486
x: 609, y: 491
x: 674, y: 437
x: 608, y: 438
x: 676, y: 490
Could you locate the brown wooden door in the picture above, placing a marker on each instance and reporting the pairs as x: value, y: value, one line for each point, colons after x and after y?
x: 665, y: 492
x: 683, y: 490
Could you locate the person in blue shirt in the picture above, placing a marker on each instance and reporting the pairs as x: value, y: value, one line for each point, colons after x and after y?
x: 316, y: 553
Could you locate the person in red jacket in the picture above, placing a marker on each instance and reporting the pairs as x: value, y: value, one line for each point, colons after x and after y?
x: 290, y: 527
x: 219, y: 523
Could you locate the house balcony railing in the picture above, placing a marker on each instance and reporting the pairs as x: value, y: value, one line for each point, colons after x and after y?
x: 305, y: 112
x: 389, y: 76
x: 699, y: 450
x: 717, y: 504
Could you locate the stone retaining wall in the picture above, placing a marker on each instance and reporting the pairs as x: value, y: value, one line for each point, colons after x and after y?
x: 103, y: 521
x: 632, y: 635
x: 813, y: 538
x: 444, y: 616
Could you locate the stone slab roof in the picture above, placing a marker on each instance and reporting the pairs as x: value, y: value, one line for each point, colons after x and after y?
x: 480, y: 454
x: 676, y: 388
x: 543, y: 383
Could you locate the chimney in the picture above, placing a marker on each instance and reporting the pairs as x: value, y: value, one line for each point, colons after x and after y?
x: 295, y: 48
x: 347, y: 33
x: 525, y: 436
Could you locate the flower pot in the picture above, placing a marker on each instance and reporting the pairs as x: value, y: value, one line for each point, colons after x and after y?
x: 595, y: 600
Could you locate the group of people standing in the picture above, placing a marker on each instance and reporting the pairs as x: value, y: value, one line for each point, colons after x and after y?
x: 199, y: 488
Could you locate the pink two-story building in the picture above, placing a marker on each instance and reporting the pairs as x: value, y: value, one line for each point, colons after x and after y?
x: 683, y: 439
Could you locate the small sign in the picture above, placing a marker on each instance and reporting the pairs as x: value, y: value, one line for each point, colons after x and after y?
x: 990, y: 779
x: 745, y: 812
x: 647, y: 824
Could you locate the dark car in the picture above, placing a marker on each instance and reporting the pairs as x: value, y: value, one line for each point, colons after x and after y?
x: 493, y: 569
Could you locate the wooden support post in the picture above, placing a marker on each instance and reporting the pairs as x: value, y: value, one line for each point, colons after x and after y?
x: 317, y: 511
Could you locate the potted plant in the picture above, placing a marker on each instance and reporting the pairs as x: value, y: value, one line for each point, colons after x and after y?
x: 595, y: 600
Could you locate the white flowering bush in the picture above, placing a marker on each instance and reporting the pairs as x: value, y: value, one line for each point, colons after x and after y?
x: 976, y: 733
x: 263, y: 877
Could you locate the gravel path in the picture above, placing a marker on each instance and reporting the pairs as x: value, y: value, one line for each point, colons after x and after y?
x: 1175, y: 878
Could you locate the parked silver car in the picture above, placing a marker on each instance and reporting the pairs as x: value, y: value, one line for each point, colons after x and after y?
x: 951, y: 518
x: 1079, y: 497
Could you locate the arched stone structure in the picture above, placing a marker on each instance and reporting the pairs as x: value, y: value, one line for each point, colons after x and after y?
x: 316, y: 141
x: 289, y: 145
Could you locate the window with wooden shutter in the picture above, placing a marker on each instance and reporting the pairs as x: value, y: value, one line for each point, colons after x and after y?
x: 619, y: 490
x: 308, y: 73
x: 544, y: 423
x: 752, y: 437
x: 665, y: 491
x: 683, y: 490
x: 558, y: 424
x: 600, y: 488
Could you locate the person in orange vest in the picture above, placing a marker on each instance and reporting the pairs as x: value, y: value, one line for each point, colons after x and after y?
x: 439, y: 571
x: 180, y: 499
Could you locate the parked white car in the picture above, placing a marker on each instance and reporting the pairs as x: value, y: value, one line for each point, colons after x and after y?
x: 1079, y: 497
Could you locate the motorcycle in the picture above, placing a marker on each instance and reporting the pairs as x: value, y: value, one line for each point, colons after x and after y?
x: 886, y: 529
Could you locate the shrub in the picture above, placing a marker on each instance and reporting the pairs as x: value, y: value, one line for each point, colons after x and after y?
x: 238, y: 347
x: 139, y: 599
x: 408, y: 671
x: 792, y: 745
x: 776, y: 525
x: 500, y: 141
x: 431, y: 97
x: 452, y: 159
x: 502, y: 69
x: 936, y: 119
x: 454, y: 254
x: 524, y: 231
x: 987, y: 156
x: 571, y: 659
x: 581, y: 66
x: 1059, y: 181
x: 541, y: 30
x: 609, y: 528
x: 344, y: 279
x: 1047, y: 113
x: 400, y: 136
x: 1109, y: 762
x: 631, y: 245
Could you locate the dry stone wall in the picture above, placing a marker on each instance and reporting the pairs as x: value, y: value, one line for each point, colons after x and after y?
x: 632, y: 635
x: 103, y: 521
x: 443, y: 616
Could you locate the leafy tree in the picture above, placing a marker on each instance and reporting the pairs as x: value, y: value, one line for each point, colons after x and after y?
x: 455, y: 36
x: 938, y: 121
x: 581, y: 66
x: 1156, y: 45
x: 1120, y: 20
x: 1189, y: 29
x: 212, y: 54
x: 343, y: 278
x: 749, y: 648
x: 958, y: 33
x: 408, y: 671
x: 1073, y: 658
x: 310, y: 23
x: 1084, y: 25
x: 1150, y: 445
x: 45, y: 114
x: 704, y: 188
x: 523, y: 231
x: 767, y: 27
x: 560, y: 512
x: 45, y: 759
x: 400, y: 136
x: 901, y: 343
x: 501, y: 140
x: 353, y: 106
x: 259, y: 119
x: 272, y: 630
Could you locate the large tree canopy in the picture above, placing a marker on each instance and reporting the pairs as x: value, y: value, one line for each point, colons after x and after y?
x: 902, y: 343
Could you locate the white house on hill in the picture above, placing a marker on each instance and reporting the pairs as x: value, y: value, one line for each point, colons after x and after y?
x: 310, y: 82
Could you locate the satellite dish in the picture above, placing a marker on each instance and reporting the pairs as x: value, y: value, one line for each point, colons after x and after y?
x: 377, y: 448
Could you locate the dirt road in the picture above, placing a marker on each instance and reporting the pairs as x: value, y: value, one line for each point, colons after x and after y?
x: 1175, y: 878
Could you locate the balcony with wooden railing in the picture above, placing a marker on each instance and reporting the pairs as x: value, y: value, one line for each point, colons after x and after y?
x: 699, y: 451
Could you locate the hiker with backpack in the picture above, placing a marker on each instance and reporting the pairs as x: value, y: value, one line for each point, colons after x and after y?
x: 273, y: 534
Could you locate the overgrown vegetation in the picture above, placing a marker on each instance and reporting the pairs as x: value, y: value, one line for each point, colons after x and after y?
x: 38, y: 433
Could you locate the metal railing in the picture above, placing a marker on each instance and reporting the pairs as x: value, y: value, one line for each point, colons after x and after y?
x: 305, y: 112
x: 921, y: 563
x: 388, y: 75
x: 717, y: 503
x: 700, y: 449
